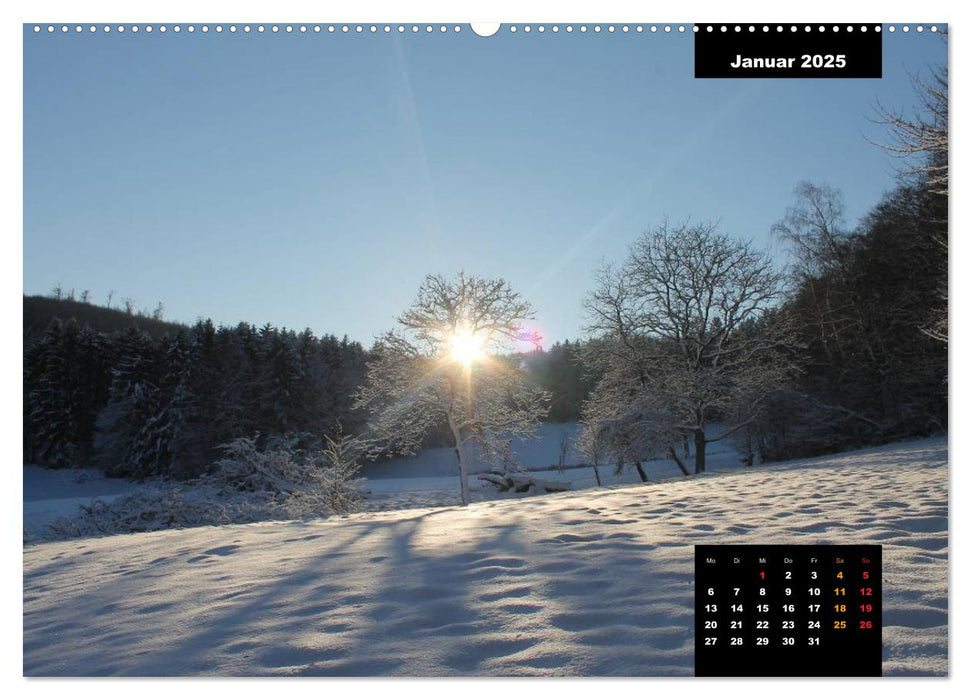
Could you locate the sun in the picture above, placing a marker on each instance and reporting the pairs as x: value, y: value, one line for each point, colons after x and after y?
x: 466, y: 347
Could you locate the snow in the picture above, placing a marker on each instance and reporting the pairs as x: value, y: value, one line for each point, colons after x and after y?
x: 53, y: 493
x: 440, y: 461
x: 431, y: 478
x: 594, y: 582
x: 535, y: 454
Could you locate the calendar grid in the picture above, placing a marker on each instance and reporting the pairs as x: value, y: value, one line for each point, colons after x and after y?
x: 788, y: 610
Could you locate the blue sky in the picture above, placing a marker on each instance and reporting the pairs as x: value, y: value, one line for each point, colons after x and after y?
x: 313, y: 180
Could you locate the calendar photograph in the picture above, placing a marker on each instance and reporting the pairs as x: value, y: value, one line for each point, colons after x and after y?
x: 468, y: 350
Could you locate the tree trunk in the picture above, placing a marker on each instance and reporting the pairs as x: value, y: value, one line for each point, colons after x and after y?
x: 596, y: 473
x: 462, y: 460
x: 699, y: 451
x: 463, y: 473
x: 641, y: 472
x: 677, y: 460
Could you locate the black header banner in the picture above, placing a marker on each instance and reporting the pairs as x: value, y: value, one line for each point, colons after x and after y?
x: 788, y: 51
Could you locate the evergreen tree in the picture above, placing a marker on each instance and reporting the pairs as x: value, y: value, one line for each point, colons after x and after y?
x: 135, y: 402
x: 66, y: 381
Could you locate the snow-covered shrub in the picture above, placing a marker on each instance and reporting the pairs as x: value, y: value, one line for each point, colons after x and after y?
x: 338, y: 467
x: 154, y: 507
x: 275, y: 470
x: 247, y: 485
x: 315, y: 481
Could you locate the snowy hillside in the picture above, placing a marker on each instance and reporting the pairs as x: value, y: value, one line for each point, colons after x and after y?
x: 598, y: 582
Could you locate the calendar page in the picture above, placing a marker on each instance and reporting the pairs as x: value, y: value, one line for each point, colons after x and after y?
x: 400, y: 345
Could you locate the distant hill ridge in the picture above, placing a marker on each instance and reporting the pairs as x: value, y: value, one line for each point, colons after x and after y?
x: 40, y: 310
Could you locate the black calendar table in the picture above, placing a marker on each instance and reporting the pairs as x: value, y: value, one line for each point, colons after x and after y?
x: 788, y: 610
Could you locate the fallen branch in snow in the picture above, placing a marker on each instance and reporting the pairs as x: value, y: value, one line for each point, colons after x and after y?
x: 547, y: 486
x: 522, y: 484
x: 502, y: 482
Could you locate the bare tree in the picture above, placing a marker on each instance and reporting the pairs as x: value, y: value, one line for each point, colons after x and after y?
x: 159, y: 312
x: 921, y: 140
x: 622, y: 420
x: 85, y: 296
x: 685, y: 339
x: 592, y: 446
x: 815, y: 230
x: 57, y: 291
x: 814, y: 227
x: 129, y: 305
x: 441, y: 365
x: 564, y: 449
x: 111, y: 295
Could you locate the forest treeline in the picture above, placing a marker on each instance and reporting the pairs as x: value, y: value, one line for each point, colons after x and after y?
x: 39, y: 311
x: 138, y: 405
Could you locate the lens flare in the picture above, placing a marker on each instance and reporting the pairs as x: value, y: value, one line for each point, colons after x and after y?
x: 466, y: 347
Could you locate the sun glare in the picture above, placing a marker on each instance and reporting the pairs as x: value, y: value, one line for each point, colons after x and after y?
x: 467, y: 347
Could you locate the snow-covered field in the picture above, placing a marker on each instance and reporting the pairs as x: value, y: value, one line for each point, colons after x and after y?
x: 54, y: 493
x: 595, y: 582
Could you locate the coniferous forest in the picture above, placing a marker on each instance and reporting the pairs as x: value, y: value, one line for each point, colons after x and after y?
x: 138, y: 405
